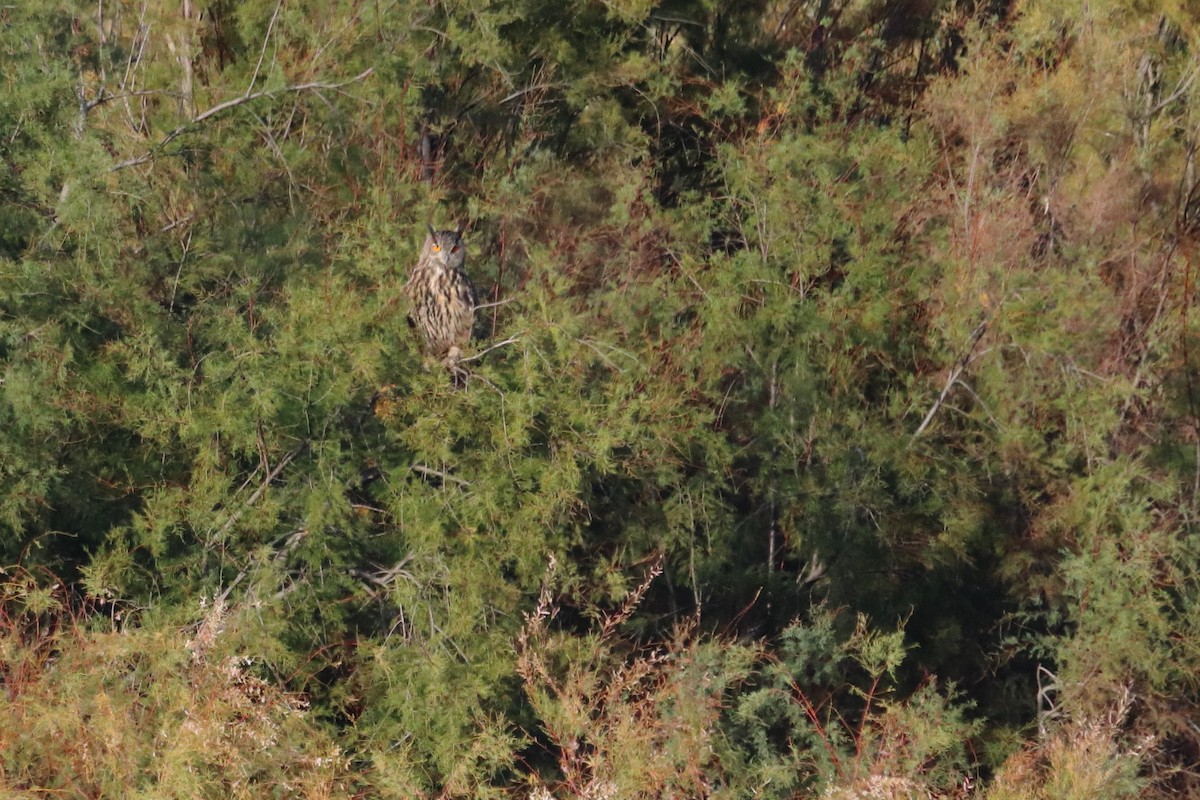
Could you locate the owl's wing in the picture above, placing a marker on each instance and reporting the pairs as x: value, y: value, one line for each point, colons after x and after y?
x: 471, y: 293
x: 478, y: 323
x: 461, y: 308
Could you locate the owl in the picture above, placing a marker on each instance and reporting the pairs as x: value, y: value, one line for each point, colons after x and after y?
x: 441, y: 298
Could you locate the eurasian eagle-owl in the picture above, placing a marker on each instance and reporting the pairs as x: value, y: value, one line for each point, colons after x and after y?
x: 441, y: 297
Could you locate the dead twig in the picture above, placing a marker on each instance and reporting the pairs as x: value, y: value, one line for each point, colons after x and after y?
x: 495, y: 303
x: 290, y: 542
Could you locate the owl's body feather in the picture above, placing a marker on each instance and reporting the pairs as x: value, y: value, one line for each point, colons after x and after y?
x: 441, y: 297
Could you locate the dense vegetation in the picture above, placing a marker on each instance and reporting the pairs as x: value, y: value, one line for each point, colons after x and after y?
x: 832, y: 430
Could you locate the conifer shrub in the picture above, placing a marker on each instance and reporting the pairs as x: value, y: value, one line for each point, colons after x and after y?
x: 98, y: 704
x: 814, y: 713
x: 816, y: 306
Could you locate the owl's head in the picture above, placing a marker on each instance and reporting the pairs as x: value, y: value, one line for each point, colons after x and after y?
x: 444, y: 248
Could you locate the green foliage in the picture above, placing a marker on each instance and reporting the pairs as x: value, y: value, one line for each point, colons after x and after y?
x: 816, y: 306
x: 823, y: 716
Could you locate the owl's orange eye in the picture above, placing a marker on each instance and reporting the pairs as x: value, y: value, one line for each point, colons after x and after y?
x: 437, y: 247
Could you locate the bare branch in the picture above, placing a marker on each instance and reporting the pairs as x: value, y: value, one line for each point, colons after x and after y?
x: 258, y: 493
x: 1180, y: 90
x: 982, y: 404
x: 187, y: 246
x: 538, y: 88
x: 972, y: 343
x: 430, y: 472
x: 594, y: 345
x: 497, y: 345
x: 289, y: 543
x: 233, y: 103
x: 495, y: 303
x: 266, y: 39
x: 385, y: 577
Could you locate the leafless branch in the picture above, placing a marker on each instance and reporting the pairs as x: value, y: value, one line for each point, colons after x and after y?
x: 289, y: 543
x: 497, y: 345
x: 187, y: 246
x: 233, y: 103
x: 185, y: 219
x: 1180, y: 90
x: 261, y: 490
x: 527, y: 90
x: 979, y: 400
x: 385, y: 577
x: 132, y: 63
x: 266, y: 39
x: 961, y: 365
x: 594, y: 346
x: 430, y: 472
x: 495, y: 303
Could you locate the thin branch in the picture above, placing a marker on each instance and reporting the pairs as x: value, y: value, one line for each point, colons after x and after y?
x: 266, y: 40
x: 1180, y: 90
x: 385, y: 576
x: 430, y: 472
x: 594, y: 346
x: 290, y: 542
x: 233, y: 103
x: 176, y: 223
x: 495, y: 303
x: 982, y: 404
x: 972, y: 343
x: 497, y: 345
x: 1147, y: 330
x: 528, y: 89
x: 261, y: 490
x: 614, y: 620
x: 107, y: 96
x: 187, y: 246
x: 131, y: 65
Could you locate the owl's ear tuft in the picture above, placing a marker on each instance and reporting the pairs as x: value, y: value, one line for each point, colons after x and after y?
x: 432, y: 232
x: 462, y: 226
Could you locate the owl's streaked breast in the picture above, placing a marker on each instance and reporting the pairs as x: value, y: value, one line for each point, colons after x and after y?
x: 442, y: 299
